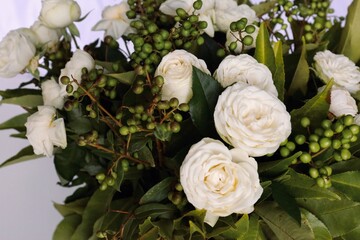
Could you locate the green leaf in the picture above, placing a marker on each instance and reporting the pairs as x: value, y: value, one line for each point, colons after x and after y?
x: 279, y: 75
x: 16, y: 122
x: 74, y: 30
x: 275, y: 168
x: 352, y: 164
x: 195, y: 229
x: 339, y: 216
x: 254, y: 232
x: 285, y: 201
x: 23, y: 155
x: 263, y: 7
x: 318, y: 104
x: 125, y: 77
x: 131, y: 229
x: 302, y: 186
x: 146, y: 155
x: 155, y: 210
x: 301, y: 75
x: 353, y: 235
x: 284, y: 226
x: 263, y: 51
x: 158, y: 192
x: 95, y: 208
x: 75, y: 207
x: 348, y: 183
x: 27, y: 101
x: 241, y: 227
x: 205, y: 94
x: 317, y: 227
x: 350, y: 37
x: 78, y: 122
x: 66, y: 228
x: 18, y: 92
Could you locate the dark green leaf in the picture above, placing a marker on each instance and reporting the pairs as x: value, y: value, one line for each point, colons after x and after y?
x: 302, y: 186
x: 285, y: 201
x: 158, y: 192
x: 350, y: 37
x: 348, y: 183
x: 66, y: 228
x: 146, y: 155
x: 27, y: 101
x: 131, y: 229
x: 125, y: 77
x: 11, y: 93
x: 78, y: 122
x: 16, y: 122
x: 279, y: 75
x: 263, y: 51
x: 254, y: 232
x: 152, y: 234
x: 317, y: 227
x: 195, y: 229
x: 241, y: 227
x: 155, y: 210
x: 23, y: 155
x: 353, y: 235
x: 263, y: 7
x: 340, y: 216
x: 318, y: 104
x: 332, y: 37
x: 352, y: 164
x: 284, y: 226
x: 205, y: 94
x: 75, y: 207
x: 275, y: 168
x: 95, y: 208
x: 301, y: 75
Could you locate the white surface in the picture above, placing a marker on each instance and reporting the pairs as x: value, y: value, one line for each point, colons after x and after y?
x: 27, y: 190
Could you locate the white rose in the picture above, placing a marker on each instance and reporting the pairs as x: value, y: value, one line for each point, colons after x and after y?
x: 59, y: 13
x: 228, y: 11
x: 176, y: 69
x: 246, y: 69
x: 115, y: 22
x: 44, y: 132
x: 341, y: 102
x: 52, y: 94
x: 338, y: 67
x: 357, y: 119
x: 73, y: 68
x: 48, y: 37
x: 251, y: 119
x: 220, y: 180
x: 17, y: 49
x: 206, y: 13
x: 234, y: 36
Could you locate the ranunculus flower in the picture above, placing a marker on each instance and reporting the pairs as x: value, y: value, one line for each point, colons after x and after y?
x: 115, y: 22
x: 205, y: 13
x: 244, y: 68
x: 251, y: 119
x: 59, y: 13
x: 52, y: 94
x: 341, y: 102
x: 227, y: 11
x: 73, y: 68
x: 17, y: 49
x: 220, y: 180
x: 176, y: 69
x: 338, y: 67
x: 44, y: 132
x: 47, y: 37
x: 234, y: 36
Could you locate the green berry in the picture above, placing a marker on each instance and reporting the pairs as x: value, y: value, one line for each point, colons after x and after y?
x: 290, y: 145
x: 103, y: 186
x: 325, y: 142
x: 314, y: 147
x: 197, y: 5
x: 305, y: 122
x: 314, y: 138
x: 65, y: 80
x: 248, y: 40
x: 355, y: 129
x: 284, y: 152
x: 305, y: 157
x: 338, y: 127
x: 347, y: 134
x: 348, y: 120
x: 249, y: 29
x: 100, y: 176
x: 336, y: 144
x: 326, y: 124
x: 300, y: 139
x: 320, y: 182
x: 345, y: 154
x: 124, y: 130
x: 313, y: 172
x: 178, y: 187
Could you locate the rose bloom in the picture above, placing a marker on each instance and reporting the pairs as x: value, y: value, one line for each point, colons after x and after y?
x: 73, y: 68
x: 338, y: 67
x: 115, y: 22
x: 17, y: 49
x: 47, y: 37
x: 205, y: 13
x: 341, y: 102
x: 59, y: 13
x: 52, y: 94
x: 228, y: 11
x: 176, y: 69
x: 251, y: 119
x: 357, y: 119
x: 220, y: 180
x: 233, y: 36
x: 44, y: 132
x: 246, y: 69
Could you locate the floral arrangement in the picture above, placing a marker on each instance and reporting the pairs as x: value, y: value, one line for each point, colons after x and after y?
x: 202, y: 119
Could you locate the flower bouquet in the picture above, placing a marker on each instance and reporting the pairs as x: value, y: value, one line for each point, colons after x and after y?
x: 194, y: 119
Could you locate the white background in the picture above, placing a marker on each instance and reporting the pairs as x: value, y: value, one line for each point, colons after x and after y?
x: 28, y: 190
